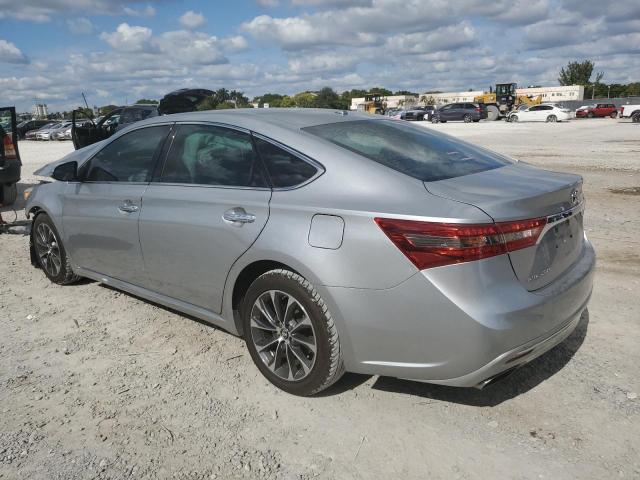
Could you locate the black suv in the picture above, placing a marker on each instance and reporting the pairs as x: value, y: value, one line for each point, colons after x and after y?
x: 466, y: 112
x: 10, y: 164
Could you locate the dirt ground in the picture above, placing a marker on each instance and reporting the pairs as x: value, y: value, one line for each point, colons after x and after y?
x: 99, y: 384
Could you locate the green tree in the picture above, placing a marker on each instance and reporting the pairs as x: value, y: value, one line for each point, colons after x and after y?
x: 107, y: 109
x: 287, y: 102
x: 146, y: 101
x: 380, y: 91
x: 87, y: 112
x: 328, y: 98
x: 579, y: 73
x: 225, y: 105
x: 305, y: 100
x: 209, y: 103
x: 405, y: 92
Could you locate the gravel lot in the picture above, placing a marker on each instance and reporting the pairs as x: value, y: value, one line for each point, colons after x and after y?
x: 99, y: 384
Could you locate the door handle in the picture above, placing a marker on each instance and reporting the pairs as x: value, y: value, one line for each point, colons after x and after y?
x: 128, y: 207
x: 238, y: 215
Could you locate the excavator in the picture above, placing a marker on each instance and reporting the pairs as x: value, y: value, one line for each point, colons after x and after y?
x: 504, y: 100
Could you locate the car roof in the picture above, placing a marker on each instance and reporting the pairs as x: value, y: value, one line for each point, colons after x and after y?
x: 260, y: 118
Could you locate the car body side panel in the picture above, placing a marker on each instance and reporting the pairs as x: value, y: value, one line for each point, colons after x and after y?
x: 187, y: 246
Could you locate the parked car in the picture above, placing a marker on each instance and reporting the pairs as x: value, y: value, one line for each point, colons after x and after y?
x: 50, y: 133
x: 414, y: 113
x: 466, y: 112
x: 45, y: 132
x: 598, y: 110
x: 448, y: 264
x: 31, y: 134
x: 630, y: 111
x: 541, y: 113
x: 10, y: 164
x: 28, y: 125
x: 178, y: 101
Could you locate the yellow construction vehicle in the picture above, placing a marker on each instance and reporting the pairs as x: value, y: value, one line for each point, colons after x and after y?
x: 504, y: 100
x: 373, y: 103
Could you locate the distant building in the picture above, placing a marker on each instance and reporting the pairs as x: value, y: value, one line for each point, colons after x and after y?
x: 391, y: 101
x: 40, y: 110
x: 549, y: 94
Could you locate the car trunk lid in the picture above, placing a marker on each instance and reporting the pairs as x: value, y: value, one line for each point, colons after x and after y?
x: 518, y: 192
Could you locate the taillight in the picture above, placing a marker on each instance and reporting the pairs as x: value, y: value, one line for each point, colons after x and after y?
x: 429, y: 244
x: 9, y: 149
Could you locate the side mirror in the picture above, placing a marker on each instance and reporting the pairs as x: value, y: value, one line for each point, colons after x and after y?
x: 66, y: 172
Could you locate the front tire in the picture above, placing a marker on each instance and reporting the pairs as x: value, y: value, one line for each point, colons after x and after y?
x: 50, y: 253
x: 290, y: 333
x: 590, y: 115
x: 513, y: 118
x: 552, y: 119
x: 467, y: 118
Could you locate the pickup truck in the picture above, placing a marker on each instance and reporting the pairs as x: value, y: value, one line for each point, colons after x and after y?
x: 630, y: 111
x: 598, y: 110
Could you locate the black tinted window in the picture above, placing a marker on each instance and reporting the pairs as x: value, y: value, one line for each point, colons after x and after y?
x: 208, y: 155
x: 128, y: 158
x: 285, y: 169
x: 414, y: 151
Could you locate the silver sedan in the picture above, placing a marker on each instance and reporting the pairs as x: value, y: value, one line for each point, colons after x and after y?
x: 330, y: 241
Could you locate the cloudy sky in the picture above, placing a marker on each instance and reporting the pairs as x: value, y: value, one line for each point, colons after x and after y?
x: 117, y: 51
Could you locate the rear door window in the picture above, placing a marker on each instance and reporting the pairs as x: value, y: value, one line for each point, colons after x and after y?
x: 285, y: 168
x: 129, y: 158
x: 213, y: 155
x: 414, y: 151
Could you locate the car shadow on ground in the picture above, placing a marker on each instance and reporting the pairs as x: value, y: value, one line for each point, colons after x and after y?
x: 520, y: 381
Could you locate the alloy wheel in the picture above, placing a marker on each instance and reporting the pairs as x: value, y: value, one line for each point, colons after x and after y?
x: 283, y: 335
x: 48, y: 249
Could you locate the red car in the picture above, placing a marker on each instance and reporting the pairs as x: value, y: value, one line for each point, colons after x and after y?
x: 598, y: 110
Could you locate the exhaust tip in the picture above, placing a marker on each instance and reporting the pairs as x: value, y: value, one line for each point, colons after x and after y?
x: 496, y: 378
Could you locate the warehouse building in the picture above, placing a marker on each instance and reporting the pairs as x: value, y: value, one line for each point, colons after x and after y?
x: 549, y: 94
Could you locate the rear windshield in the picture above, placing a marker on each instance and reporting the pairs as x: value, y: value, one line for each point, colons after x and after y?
x: 415, y: 151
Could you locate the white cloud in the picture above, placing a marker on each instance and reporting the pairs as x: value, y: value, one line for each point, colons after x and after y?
x: 9, y: 53
x: 45, y: 10
x: 268, y: 3
x: 80, y: 26
x: 236, y: 43
x: 147, y: 11
x: 192, y: 20
x: 129, y: 38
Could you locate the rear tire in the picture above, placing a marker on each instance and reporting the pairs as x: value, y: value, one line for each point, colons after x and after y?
x: 467, y: 118
x: 492, y: 113
x: 435, y: 119
x: 290, y: 333
x: 50, y: 253
x: 552, y: 119
x: 614, y: 114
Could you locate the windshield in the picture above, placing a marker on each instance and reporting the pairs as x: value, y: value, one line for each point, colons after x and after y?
x: 414, y: 151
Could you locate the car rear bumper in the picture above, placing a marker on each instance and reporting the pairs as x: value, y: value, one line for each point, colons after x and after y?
x: 459, y: 325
